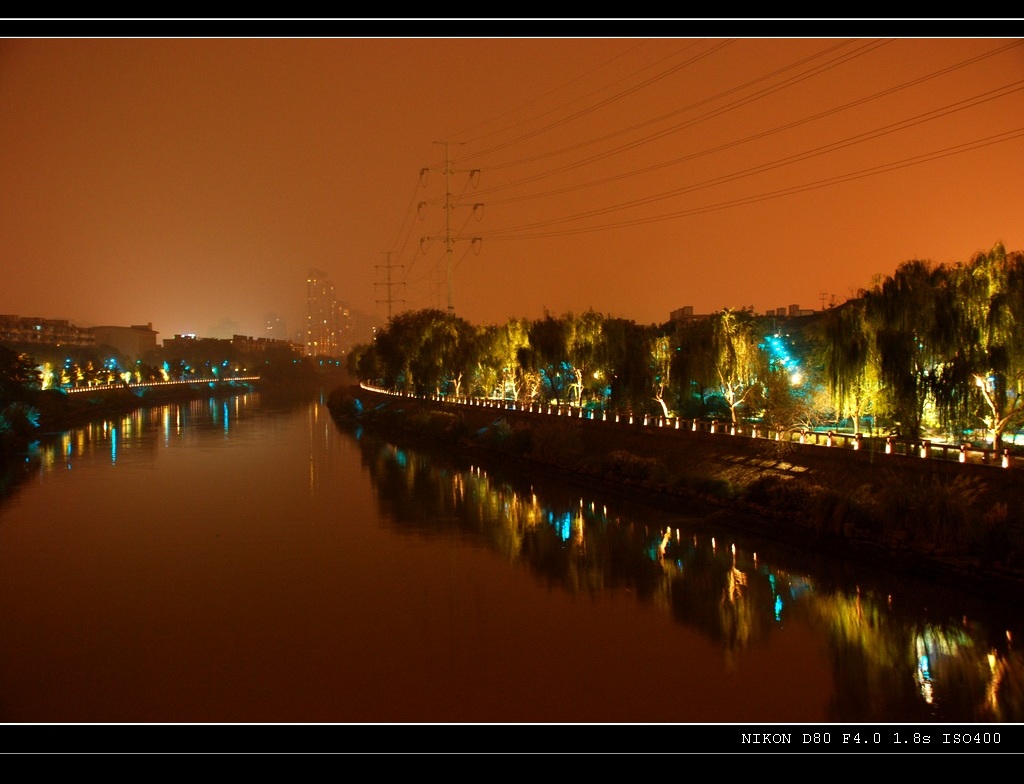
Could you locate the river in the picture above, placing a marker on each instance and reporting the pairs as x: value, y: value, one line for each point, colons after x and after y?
x: 245, y: 560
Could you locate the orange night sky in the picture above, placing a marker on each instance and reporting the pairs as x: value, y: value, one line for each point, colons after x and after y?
x: 193, y: 182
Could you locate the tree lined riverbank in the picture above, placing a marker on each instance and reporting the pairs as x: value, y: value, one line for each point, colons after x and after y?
x: 945, y: 521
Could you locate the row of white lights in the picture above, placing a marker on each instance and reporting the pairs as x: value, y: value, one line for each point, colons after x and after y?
x: 924, y: 447
x: 135, y: 385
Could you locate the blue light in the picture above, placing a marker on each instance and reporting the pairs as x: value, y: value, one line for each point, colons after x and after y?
x: 924, y: 667
x: 565, y: 527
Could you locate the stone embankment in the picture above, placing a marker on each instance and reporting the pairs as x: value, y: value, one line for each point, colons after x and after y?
x: 941, y: 519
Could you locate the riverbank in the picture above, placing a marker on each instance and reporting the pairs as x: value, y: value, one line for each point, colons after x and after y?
x: 49, y: 412
x: 957, y: 524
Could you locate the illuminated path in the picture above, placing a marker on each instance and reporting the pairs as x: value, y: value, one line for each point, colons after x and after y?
x: 964, y: 453
x: 147, y: 384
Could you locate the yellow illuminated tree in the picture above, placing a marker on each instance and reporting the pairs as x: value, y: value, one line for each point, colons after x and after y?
x: 734, y: 354
x: 661, y: 360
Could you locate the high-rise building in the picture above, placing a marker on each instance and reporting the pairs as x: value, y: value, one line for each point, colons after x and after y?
x: 323, y: 317
x: 274, y: 327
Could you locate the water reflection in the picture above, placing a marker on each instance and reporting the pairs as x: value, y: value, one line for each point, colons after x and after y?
x: 306, y: 573
x: 135, y: 430
x: 892, y: 659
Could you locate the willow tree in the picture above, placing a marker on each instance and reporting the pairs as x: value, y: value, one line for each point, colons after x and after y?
x: 394, y: 346
x: 446, y: 352
x: 515, y: 339
x: 499, y: 371
x: 425, y: 350
x: 692, y: 371
x: 625, y: 371
x: 984, y: 367
x: 733, y: 352
x: 486, y: 378
x: 363, y: 362
x: 850, y: 360
x: 660, y: 351
x: 544, y: 357
x: 951, y: 336
x: 1003, y: 386
x: 583, y: 348
x: 914, y: 331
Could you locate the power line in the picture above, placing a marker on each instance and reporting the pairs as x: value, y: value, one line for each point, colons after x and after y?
x: 791, y: 159
x: 549, y: 227
x: 449, y: 236
x: 727, y: 145
x: 387, y: 282
x: 823, y: 183
x: 739, y: 102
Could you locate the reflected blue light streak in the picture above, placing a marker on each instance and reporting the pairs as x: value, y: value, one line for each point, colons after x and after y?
x: 564, y: 527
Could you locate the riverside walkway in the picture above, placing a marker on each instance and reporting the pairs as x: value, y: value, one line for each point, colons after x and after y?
x: 889, y: 447
x: 212, y: 381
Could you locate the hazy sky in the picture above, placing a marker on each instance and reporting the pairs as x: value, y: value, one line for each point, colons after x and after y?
x: 193, y: 182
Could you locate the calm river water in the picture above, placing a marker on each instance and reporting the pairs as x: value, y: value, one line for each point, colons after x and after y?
x: 237, y: 560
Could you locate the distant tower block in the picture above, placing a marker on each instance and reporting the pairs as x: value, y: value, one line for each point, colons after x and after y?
x: 274, y: 327
x: 323, y: 317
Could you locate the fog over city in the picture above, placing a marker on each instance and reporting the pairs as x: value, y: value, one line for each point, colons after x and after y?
x: 193, y: 183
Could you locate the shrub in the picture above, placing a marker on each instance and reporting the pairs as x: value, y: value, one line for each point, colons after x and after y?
x: 438, y: 425
x: 716, y: 487
x: 835, y: 513
x: 931, y: 511
x: 19, y: 423
x: 501, y: 435
x: 783, y: 495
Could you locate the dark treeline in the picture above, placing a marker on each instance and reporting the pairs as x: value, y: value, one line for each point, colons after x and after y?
x: 931, y: 351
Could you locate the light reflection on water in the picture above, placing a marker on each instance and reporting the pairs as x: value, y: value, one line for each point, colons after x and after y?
x: 889, y: 665
x: 225, y: 560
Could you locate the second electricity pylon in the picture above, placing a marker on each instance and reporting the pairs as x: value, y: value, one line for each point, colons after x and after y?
x: 449, y: 239
x: 388, y: 282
